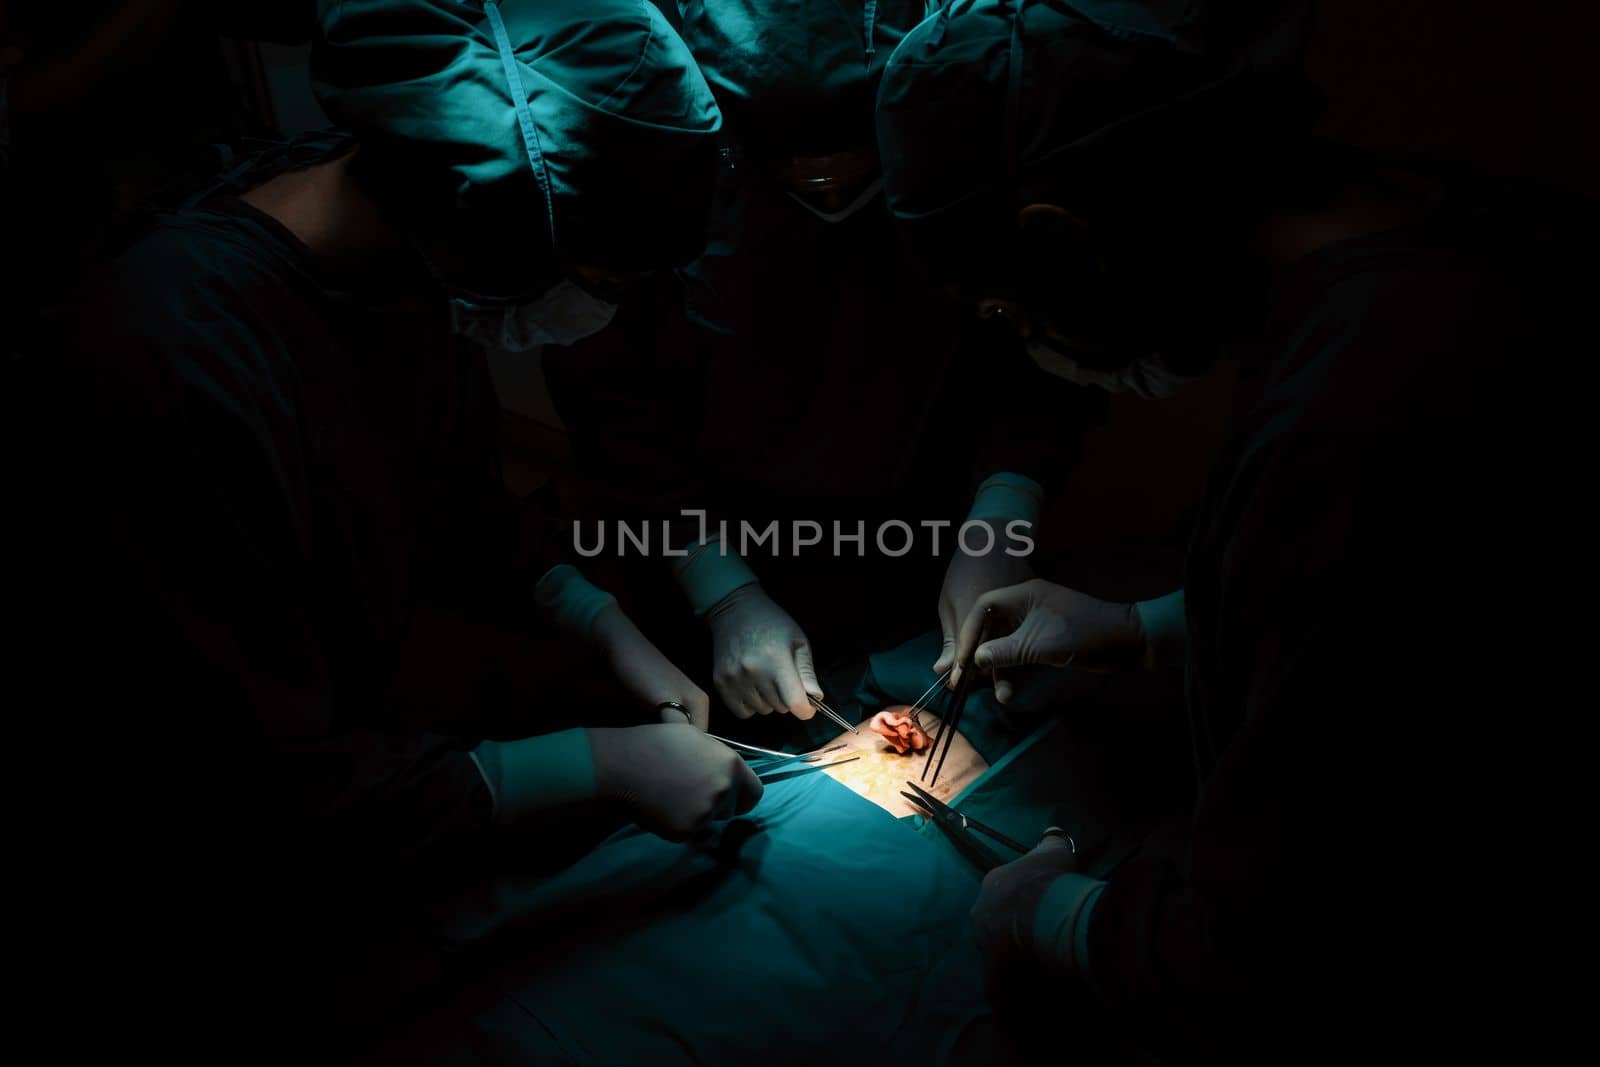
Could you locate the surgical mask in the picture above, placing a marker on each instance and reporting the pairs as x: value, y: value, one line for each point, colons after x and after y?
x: 865, y: 197
x: 564, y: 315
x: 1147, y: 377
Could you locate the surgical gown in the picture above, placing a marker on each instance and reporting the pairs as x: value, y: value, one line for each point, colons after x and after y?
x: 1354, y: 720
x: 252, y: 474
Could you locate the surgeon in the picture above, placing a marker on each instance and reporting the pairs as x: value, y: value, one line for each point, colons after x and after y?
x: 807, y: 373
x: 269, y: 455
x: 1130, y: 186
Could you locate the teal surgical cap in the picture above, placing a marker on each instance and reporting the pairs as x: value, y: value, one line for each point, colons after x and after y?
x: 1110, y: 101
x: 797, y: 77
x: 535, y: 133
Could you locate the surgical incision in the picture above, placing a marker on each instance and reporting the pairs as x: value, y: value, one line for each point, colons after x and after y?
x: 900, y: 729
x: 894, y: 751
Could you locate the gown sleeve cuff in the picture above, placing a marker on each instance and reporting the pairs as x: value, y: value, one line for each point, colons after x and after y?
x: 568, y: 597
x: 710, y: 572
x: 1166, y: 631
x: 1007, y: 497
x: 536, y: 773
x: 1061, y: 923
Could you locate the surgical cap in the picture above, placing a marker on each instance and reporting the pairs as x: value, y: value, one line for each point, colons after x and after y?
x: 797, y: 77
x: 990, y: 99
x: 559, y: 132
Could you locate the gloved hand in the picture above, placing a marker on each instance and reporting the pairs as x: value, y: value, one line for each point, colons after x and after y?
x: 1039, y: 623
x: 965, y: 580
x: 1031, y: 923
x: 761, y: 661
x: 672, y: 777
x: 1015, y: 924
x: 1005, y: 502
x: 644, y: 672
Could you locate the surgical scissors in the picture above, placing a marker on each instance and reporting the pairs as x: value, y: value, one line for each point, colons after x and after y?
x: 959, y: 828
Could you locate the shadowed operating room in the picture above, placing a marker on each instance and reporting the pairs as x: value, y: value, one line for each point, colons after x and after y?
x: 931, y: 532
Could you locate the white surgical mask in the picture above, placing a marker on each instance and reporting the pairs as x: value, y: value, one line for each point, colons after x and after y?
x: 564, y: 315
x: 1147, y: 377
x: 865, y: 197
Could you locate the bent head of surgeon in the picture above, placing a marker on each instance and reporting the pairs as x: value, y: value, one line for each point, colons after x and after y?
x: 1087, y: 174
x: 797, y: 83
x: 539, y: 155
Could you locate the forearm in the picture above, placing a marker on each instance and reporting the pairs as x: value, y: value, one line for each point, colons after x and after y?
x: 1127, y: 952
x: 1164, y: 623
x: 1061, y: 925
x: 537, y: 774
x: 1007, y: 496
x: 1149, y: 957
x: 493, y: 550
x: 369, y: 798
x: 708, y: 572
x: 570, y: 602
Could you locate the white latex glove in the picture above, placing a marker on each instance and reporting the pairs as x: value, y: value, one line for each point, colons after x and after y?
x: 965, y: 580
x: 644, y: 672
x: 761, y: 661
x: 673, y: 778
x: 1039, y: 623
